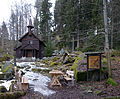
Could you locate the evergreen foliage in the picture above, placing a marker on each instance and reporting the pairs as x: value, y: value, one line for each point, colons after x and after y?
x: 49, y: 49
x: 82, y: 18
x: 44, y: 14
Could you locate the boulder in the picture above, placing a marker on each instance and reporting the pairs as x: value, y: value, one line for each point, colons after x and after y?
x: 61, y: 52
x: 55, y: 52
x: 44, y: 58
x: 68, y: 59
x: 6, y: 76
x: 2, y: 76
x: 8, y: 71
x: 6, y: 64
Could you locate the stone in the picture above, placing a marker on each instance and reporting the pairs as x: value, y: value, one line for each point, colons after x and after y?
x: 8, y: 71
x: 55, y: 52
x: 6, y: 64
x: 68, y: 59
x: 61, y: 52
x: 44, y: 58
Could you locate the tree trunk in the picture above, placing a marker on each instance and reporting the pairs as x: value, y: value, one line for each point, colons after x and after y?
x: 106, y: 38
x: 73, y: 44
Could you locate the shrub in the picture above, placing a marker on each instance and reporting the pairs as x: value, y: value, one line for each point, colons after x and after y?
x: 49, y: 49
x: 104, y: 60
x: 112, y: 58
x: 111, y: 82
x: 115, y: 53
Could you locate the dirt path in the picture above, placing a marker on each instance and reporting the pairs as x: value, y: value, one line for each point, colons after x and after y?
x: 75, y: 92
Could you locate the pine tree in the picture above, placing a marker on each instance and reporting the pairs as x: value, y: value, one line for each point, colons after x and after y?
x: 4, y: 36
x: 76, y: 21
x: 45, y: 20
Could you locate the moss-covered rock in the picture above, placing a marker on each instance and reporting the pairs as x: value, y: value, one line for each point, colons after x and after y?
x: 55, y: 58
x: 27, y: 68
x: 47, y: 61
x: 54, y: 63
x: 74, y: 66
x: 2, y: 76
x: 2, y: 59
x: 6, y: 76
x: 12, y: 95
x: 41, y: 70
x: 68, y: 59
x: 3, y: 89
x: 9, y: 68
x: 1, y: 82
x: 69, y: 64
x: 8, y: 71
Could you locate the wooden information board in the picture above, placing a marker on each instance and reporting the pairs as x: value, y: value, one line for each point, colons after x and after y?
x: 94, y: 62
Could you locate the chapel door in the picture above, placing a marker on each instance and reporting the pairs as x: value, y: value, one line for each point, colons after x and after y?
x: 30, y: 53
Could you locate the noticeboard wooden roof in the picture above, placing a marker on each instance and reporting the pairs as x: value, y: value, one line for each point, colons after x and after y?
x: 93, y: 53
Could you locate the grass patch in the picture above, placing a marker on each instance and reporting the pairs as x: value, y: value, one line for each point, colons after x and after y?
x: 114, y: 97
x: 112, y: 58
x: 111, y: 82
x: 98, y: 92
x: 104, y: 60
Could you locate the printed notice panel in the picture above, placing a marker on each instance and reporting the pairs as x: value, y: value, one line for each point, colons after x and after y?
x: 94, y: 62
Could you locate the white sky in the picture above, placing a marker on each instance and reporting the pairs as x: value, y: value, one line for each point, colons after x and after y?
x: 5, y: 8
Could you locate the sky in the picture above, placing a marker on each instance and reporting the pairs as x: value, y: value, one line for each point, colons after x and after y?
x: 5, y: 8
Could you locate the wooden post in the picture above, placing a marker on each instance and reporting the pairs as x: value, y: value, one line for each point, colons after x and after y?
x: 19, y: 76
x: 15, y: 70
x: 87, y: 66
x: 100, y: 67
x: 24, y: 83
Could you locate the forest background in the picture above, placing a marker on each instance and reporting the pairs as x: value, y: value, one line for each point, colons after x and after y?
x: 74, y: 25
